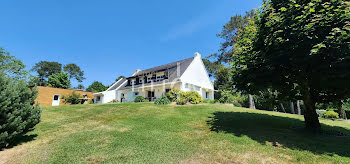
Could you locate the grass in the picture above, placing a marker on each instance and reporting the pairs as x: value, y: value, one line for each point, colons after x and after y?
x: 146, y: 133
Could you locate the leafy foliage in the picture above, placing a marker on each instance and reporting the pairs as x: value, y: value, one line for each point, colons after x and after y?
x: 174, y: 94
x: 330, y: 114
x: 163, y: 100
x: 96, y: 87
x: 140, y: 99
x: 60, y: 80
x: 120, y: 77
x: 80, y: 86
x: 74, y: 71
x: 44, y: 69
x: 299, y: 48
x: 181, y: 101
x: 10, y: 66
x: 229, y: 34
x: 17, y: 110
x: 193, y: 97
x: 73, y: 98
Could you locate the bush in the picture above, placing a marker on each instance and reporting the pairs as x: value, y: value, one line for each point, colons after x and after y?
x: 207, y: 101
x: 162, y: 101
x: 226, y: 97
x: 236, y: 104
x: 18, y: 114
x: 181, y: 101
x: 174, y: 94
x: 193, y: 97
x: 330, y: 114
x: 320, y: 112
x: 140, y: 99
x: 73, y: 98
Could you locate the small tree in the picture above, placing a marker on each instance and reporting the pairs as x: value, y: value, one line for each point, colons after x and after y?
x: 73, y: 98
x: 18, y: 114
x: 60, y: 80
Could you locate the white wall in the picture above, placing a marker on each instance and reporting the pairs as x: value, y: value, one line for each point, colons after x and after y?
x: 197, y: 76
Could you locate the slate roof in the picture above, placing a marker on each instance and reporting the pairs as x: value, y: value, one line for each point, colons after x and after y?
x: 176, y: 70
x: 182, y: 63
x: 119, y: 83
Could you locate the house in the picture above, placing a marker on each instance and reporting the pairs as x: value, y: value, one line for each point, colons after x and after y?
x: 48, y: 96
x: 187, y: 75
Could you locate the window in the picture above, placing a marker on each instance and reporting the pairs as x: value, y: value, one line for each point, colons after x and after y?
x: 206, y: 95
x: 186, y: 85
x: 167, y: 90
x: 140, y: 81
x: 198, y: 88
x: 98, y: 98
x: 136, y: 93
x: 56, y: 97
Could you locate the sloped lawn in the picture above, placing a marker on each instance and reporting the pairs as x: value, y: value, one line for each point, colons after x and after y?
x: 145, y: 133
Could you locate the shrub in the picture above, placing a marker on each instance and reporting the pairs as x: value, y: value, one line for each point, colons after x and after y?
x: 193, y: 97
x: 236, y: 104
x: 320, y: 112
x: 207, y: 101
x: 162, y: 101
x: 73, y: 98
x: 181, y: 100
x: 140, y: 99
x: 226, y: 97
x: 174, y: 94
x: 330, y: 114
x: 18, y: 114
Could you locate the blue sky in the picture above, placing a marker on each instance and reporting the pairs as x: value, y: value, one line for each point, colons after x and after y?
x: 108, y: 38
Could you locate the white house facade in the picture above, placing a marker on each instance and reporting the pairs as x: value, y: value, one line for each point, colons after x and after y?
x: 187, y: 75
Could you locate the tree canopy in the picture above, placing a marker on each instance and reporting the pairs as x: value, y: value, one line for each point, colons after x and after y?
x: 74, y: 71
x: 44, y: 69
x: 10, y: 66
x: 60, y: 80
x: 96, y: 87
x: 120, y: 77
x: 299, y: 47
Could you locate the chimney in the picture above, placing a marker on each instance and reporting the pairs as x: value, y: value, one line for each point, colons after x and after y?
x: 197, y: 54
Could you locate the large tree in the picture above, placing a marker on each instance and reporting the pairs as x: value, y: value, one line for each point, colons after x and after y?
x: 44, y: 69
x: 229, y: 35
x: 74, y: 71
x: 10, y: 66
x: 300, y: 46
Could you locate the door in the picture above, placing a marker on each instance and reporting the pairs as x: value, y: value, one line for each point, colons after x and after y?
x: 56, y: 100
x: 150, y: 95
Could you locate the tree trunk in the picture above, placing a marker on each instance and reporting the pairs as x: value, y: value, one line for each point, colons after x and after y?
x: 284, y: 110
x: 298, y: 107
x: 251, y: 102
x: 341, y: 110
x: 311, y: 118
x: 292, y: 107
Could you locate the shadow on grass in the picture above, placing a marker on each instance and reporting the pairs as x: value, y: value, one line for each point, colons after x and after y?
x: 19, y: 140
x: 282, y: 131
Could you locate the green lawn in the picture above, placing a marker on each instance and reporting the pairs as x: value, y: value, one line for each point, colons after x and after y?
x: 145, y: 133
